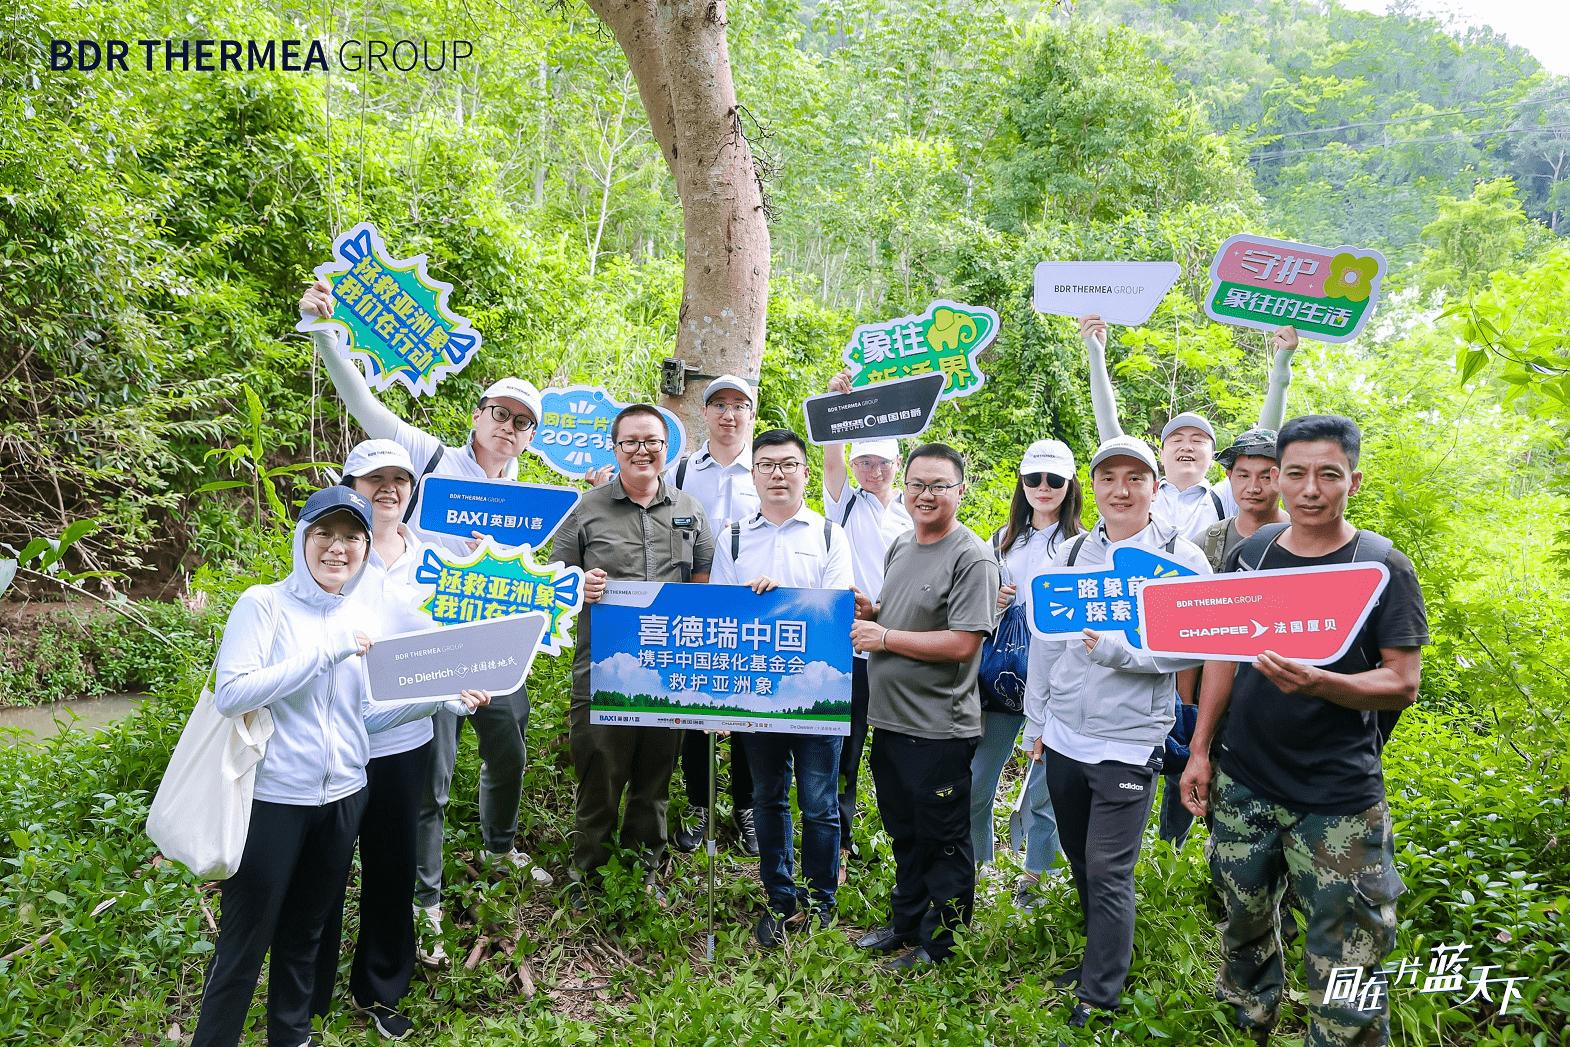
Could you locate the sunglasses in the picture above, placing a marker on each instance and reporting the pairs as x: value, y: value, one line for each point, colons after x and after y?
x: 1034, y: 480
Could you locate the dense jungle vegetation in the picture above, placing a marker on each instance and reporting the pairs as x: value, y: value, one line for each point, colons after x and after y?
x: 156, y: 231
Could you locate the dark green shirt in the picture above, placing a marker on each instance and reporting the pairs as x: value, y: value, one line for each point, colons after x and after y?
x: 667, y: 542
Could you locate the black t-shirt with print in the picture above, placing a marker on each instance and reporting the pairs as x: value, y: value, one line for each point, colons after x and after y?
x: 1305, y: 753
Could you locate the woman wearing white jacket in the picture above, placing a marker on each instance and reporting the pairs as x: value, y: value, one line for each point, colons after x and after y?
x: 290, y: 647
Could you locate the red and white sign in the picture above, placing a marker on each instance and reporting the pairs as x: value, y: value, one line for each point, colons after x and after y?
x: 1308, y: 614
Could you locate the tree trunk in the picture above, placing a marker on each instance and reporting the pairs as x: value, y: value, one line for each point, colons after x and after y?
x: 678, y: 55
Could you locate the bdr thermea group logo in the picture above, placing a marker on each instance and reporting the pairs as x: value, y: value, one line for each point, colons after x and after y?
x: 206, y: 55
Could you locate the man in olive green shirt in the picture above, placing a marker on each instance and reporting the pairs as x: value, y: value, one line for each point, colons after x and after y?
x: 634, y: 527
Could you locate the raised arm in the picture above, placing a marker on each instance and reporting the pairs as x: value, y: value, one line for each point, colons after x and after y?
x: 378, y: 422
x: 1093, y: 330
x: 834, y: 474
x: 1274, y: 410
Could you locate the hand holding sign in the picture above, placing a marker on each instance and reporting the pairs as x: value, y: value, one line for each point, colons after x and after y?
x: 394, y: 312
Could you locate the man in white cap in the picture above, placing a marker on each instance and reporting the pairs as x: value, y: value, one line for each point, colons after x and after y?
x: 1188, y: 441
x: 872, y: 514
x: 719, y: 475
x: 1098, y: 710
x: 502, y: 427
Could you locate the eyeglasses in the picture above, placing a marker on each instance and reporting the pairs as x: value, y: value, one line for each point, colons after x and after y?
x: 724, y: 408
x: 631, y: 446
x: 520, y: 422
x: 1053, y: 480
x: 326, y: 539
x: 785, y: 468
x: 872, y: 465
x: 917, y: 487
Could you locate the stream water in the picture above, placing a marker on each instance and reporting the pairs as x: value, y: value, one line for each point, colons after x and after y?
x: 45, y: 721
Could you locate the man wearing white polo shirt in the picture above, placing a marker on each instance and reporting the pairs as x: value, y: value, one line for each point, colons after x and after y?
x: 501, y: 428
x: 873, y: 514
x: 719, y: 475
x: 786, y: 543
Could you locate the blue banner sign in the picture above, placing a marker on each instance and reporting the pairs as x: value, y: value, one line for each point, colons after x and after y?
x: 1066, y: 600
x: 508, y: 512
x: 488, y: 584
x: 668, y: 654
x: 574, y: 434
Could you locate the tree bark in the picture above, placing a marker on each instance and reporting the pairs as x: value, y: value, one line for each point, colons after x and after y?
x: 680, y: 59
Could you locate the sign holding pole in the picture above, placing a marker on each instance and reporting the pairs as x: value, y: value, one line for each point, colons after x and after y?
x: 1308, y: 614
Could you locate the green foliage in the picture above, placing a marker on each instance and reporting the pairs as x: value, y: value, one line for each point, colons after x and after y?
x: 1472, y: 238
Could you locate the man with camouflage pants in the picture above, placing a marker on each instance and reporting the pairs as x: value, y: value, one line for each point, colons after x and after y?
x: 1300, y: 793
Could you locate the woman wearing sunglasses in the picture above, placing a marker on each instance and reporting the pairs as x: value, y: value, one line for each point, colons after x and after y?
x: 1045, y: 510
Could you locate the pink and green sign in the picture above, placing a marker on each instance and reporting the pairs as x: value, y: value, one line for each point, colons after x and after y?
x: 945, y: 339
x: 1328, y: 294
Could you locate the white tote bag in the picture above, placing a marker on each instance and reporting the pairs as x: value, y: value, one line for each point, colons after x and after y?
x: 203, y: 808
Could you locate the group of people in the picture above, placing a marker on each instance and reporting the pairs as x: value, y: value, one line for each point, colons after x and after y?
x: 1282, y: 764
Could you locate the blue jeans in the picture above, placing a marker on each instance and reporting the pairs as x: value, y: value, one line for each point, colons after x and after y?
x: 999, y: 732
x: 815, y: 760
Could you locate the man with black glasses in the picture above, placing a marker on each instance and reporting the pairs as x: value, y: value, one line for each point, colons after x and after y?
x: 501, y: 428
x: 635, y: 527
x: 923, y: 642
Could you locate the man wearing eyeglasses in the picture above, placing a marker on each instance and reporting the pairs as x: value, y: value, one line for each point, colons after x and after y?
x: 873, y: 514
x: 636, y: 526
x: 787, y: 543
x: 719, y: 476
x: 923, y: 641
x: 502, y: 427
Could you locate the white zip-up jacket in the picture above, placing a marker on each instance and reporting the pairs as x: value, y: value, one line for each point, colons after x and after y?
x: 1116, y: 693
x: 289, y: 647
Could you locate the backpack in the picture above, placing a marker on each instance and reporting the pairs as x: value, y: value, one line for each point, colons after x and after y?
x: 735, y: 538
x: 681, y: 472
x: 1216, y: 542
x: 1005, y: 655
x: 430, y: 466
x: 1371, y: 547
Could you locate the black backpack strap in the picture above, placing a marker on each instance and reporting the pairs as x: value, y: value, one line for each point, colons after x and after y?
x: 430, y: 466
x: 681, y: 472
x: 1251, y: 553
x: 828, y: 534
x: 850, y: 505
x: 1073, y: 553
x: 735, y: 540
x: 1371, y: 547
x: 1215, y: 500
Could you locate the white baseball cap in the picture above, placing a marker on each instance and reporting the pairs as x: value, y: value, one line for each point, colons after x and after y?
x: 1190, y: 420
x: 1126, y: 447
x: 1048, y: 456
x: 734, y: 383
x: 371, y: 455
x: 516, y: 389
x: 888, y: 450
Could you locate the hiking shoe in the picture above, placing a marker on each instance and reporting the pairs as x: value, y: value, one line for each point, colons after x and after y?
x: 693, y: 828
x: 1026, y: 895
x: 770, y: 930
x: 917, y: 957
x: 746, y: 832
x: 431, y: 917
x: 521, y: 860
x: 390, y: 1023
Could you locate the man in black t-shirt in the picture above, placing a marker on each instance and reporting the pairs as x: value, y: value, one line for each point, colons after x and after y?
x: 1300, y: 792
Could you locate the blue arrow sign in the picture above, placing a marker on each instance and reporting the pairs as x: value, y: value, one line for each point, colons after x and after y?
x: 512, y: 513
x: 1065, y: 600
x: 574, y: 434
